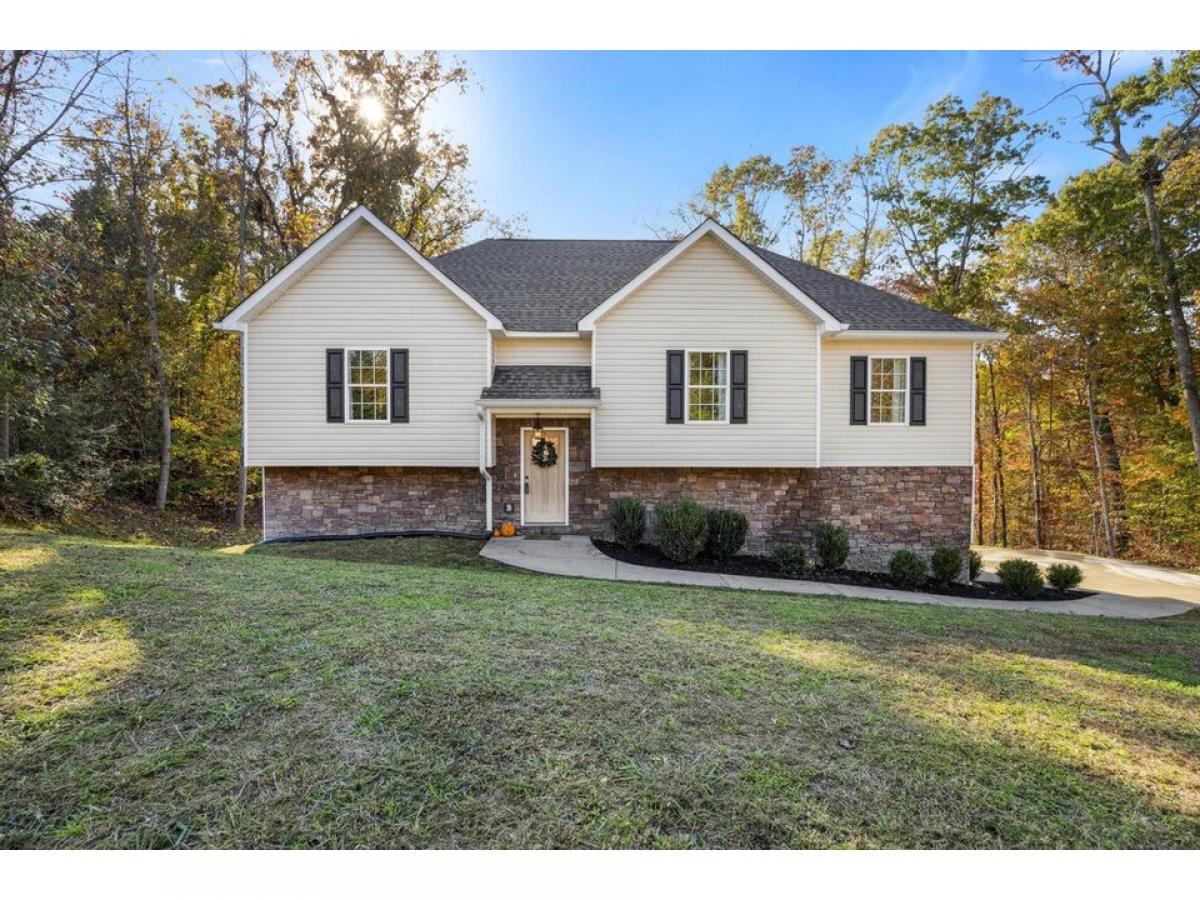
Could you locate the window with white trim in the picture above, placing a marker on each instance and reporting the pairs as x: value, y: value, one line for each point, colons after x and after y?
x: 367, y: 383
x: 888, y: 390
x: 707, y: 386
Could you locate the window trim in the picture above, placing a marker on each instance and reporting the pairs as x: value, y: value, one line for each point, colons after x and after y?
x: 387, y: 386
x: 687, y: 388
x: 873, y: 390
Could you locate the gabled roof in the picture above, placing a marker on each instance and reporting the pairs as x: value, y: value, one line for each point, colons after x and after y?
x: 320, y: 248
x: 547, y: 285
x: 526, y: 285
x: 558, y: 285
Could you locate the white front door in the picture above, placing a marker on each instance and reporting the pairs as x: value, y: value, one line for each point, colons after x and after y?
x: 544, y: 488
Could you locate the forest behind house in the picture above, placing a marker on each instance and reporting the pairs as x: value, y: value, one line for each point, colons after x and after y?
x: 127, y: 228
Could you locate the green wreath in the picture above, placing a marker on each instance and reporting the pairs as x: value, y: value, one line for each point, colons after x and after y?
x: 545, y: 454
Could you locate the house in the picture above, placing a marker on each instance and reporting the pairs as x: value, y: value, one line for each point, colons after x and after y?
x: 385, y: 392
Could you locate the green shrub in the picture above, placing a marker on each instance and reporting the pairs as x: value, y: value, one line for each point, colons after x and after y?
x: 946, y: 564
x: 32, y: 483
x: 974, y: 565
x: 628, y: 521
x: 1021, y: 578
x: 833, y: 546
x: 682, y: 529
x: 908, y: 569
x: 792, y: 560
x: 1064, y: 576
x: 726, y: 533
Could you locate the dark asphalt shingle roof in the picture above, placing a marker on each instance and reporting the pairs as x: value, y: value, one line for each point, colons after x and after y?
x: 549, y: 285
x: 541, y: 383
x: 533, y: 285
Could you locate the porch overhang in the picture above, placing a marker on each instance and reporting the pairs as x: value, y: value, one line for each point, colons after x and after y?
x: 531, y: 407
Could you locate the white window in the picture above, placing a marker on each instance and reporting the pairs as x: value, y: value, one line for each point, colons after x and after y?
x: 888, y: 390
x: 367, y: 383
x: 708, y: 386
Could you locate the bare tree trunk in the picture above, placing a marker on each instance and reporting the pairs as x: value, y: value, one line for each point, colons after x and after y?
x: 5, y: 419
x: 978, y: 484
x: 1111, y: 456
x: 1105, y: 521
x: 1035, y: 457
x: 1180, y: 333
x: 999, y: 507
x: 160, y: 376
x: 239, y: 516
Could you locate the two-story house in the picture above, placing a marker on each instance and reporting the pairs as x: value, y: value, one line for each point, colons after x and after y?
x: 388, y: 393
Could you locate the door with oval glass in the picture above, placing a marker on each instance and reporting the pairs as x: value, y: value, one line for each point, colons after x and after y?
x: 544, y: 481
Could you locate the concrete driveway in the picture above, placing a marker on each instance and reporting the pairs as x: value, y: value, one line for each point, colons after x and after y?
x: 575, y: 555
x: 1110, y: 576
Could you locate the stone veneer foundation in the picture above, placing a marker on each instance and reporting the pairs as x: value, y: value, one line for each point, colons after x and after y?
x: 327, y: 500
x: 884, y: 508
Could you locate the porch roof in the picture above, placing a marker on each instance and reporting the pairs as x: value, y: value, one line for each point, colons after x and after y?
x: 573, y: 383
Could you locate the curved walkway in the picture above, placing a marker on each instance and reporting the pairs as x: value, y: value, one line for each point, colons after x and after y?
x: 576, y: 556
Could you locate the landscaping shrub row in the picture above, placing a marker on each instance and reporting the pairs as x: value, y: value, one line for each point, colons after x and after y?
x: 686, y: 530
x: 691, y: 536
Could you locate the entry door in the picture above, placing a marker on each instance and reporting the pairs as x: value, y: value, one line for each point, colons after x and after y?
x: 545, y: 488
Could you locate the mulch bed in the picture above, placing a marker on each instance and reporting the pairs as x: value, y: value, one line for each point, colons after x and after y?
x: 766, y: 567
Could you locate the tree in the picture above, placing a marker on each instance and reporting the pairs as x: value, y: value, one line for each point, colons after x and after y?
x: 738, y: 197
x: 950, y: 184
x: 41, y: 94
x: 137, y: 143
x: 818, y: 191
x: 1130, y: 104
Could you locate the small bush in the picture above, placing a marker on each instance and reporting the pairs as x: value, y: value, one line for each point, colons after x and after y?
x: 726, y: 533
x: 682, y: 530
x: 1064, y: 576
x: 792, y: 560
x: 629, y: 521
x: 33, y: 484
x: 974, y: 565
x: 908, y: 569
x: 946, y: 564
x: 1021, y: 578
x: 833, y: 546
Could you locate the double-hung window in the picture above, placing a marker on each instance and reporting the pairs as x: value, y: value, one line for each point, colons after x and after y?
x: 888, y: 390
x: 367, y: 383
x: 707, y: 386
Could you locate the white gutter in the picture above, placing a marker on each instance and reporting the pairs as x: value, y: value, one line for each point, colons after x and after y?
x: 484, y: 423
x: 532, y: 403
x: 874, y: 335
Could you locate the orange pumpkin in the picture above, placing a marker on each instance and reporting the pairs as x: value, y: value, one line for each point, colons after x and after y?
x: 507, y: 529
x: 496, y: 532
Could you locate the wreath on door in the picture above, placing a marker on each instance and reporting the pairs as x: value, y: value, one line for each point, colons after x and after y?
x: 545, y: 454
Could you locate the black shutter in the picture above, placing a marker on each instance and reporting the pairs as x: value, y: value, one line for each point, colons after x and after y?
x: 739, y: 386
x: 399, y: 386
x: 916, y: 390
x: 335, y: 393
x: 858, y: 390
x: 674, y: 387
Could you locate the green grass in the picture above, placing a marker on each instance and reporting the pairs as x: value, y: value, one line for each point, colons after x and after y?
x: 161, y: 697
x: 449, y: 553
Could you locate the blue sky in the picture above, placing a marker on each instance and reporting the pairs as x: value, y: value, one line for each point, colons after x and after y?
x: 599, y: 144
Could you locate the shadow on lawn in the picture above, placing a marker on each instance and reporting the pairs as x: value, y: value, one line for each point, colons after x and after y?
x: 267, y: 701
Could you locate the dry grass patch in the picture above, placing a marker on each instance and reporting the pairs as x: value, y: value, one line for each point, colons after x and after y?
x: 152, y: 697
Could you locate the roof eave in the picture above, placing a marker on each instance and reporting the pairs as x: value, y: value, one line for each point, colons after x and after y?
x: 863, y: 334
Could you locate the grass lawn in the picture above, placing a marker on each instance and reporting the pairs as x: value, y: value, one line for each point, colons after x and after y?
x: 154, y: 696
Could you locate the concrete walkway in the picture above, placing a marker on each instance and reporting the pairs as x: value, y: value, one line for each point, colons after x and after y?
x: 576, y: 556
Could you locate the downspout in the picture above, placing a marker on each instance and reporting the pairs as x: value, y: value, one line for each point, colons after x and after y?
x: 485, y: 417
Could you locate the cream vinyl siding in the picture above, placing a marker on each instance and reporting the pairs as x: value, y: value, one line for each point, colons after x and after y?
x: 705, y: 300
x: 544, y: 351
x: 366, y: 294
x: 944, y: 439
